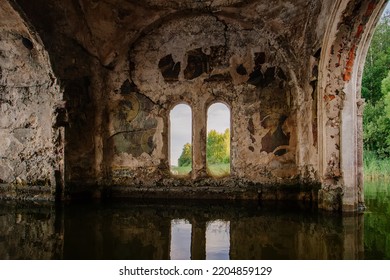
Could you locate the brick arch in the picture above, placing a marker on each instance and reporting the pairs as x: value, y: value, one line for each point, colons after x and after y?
x: 170, y: 128
x: 348, y: 35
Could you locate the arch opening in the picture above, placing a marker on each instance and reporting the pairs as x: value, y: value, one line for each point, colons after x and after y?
x: 375, y: 89
x: 218, y: 140
x: 180, y: 140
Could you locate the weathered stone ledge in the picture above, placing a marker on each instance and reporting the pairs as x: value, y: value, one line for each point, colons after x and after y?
x: 250, y: 191
x: 257, y: 192
x: 26, y: 192
x: 301, y: 193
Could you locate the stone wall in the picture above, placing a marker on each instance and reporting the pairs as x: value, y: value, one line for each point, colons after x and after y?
x: 281, y: 67
x: 29, y: 95
x: 198, y: 60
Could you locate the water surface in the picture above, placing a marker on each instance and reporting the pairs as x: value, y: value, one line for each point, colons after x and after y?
x: 194, y: 230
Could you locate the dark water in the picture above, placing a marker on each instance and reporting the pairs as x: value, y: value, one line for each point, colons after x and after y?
x: 184, y: 230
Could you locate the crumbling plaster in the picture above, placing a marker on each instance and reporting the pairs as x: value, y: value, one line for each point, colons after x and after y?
x: 30, y: 151
x: 344, y: 49
x: 284, y: 68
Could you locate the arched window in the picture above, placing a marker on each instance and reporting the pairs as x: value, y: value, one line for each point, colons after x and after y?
x: 180, y: 140
x: 218, y: 140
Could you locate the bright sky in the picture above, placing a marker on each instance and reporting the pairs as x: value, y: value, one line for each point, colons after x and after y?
x: 180, y: 240
x: 181, y: 126
x: 217, y: 240
x: 218, y: 117
x: 181, y: 130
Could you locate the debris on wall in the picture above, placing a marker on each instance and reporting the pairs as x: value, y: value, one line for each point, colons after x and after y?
x: 123, y: 65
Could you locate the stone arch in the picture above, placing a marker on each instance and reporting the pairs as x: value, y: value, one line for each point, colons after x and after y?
x: 228, y: 107
x: 170, y: 129
x: 32, y: 113
x: 345, y: 45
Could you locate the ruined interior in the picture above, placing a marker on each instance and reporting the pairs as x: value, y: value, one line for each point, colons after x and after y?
x: 86, y: 88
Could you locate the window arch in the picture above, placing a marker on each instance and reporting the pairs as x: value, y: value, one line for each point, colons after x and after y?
x: 180, y: 140
x: 218, y: 140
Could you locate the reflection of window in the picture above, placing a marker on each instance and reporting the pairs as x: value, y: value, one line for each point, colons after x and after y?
x: 218, y: 140
x: 181, y: 139
x: 218, y: 240
x: 180, y: 240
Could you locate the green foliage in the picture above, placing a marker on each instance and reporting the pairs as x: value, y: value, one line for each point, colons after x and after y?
x: 219, y: 169
x: 218, y: 147
x: 218, y: 154
x: 377, y: 62
x: 376, y: 91
x: 185, y: 158
x: 375, y: 168
x: 182, y: 170
x: 385, y: 90
x: 376, y: 220
x: 376, y: 128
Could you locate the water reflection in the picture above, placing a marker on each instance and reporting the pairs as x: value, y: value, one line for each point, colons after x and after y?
x: 180, y: 240
x: 218, y: 240
x: 377, y: 220
x: 141, y: 230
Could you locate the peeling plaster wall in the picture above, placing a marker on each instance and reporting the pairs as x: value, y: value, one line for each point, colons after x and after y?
x: 340, y: 102
x: 200, y: 60
x: 30, y: 148
x: 283, y: 67
x: 130, y: 64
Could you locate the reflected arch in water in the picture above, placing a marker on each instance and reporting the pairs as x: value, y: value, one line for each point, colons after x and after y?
x: 218, y: 240
x: 150, y: 231
x: 181, y: 231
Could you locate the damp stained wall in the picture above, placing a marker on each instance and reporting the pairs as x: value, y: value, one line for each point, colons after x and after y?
x: 198, y: 60
x: 30, y: 152
x: 122, y: 65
